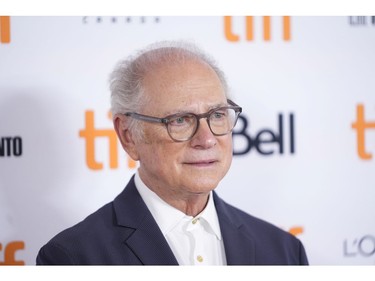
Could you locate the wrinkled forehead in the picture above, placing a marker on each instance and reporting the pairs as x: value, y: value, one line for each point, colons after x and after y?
x: 192, y: 85
x: 180, y: 73
x: 161, y: 60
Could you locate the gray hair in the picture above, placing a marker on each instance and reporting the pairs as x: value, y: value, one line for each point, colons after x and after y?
x: 126, y: 80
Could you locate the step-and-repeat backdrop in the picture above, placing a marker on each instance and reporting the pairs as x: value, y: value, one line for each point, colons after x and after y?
x: 304, y: 148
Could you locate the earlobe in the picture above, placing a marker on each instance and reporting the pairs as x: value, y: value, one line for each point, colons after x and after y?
x: 121, y: 126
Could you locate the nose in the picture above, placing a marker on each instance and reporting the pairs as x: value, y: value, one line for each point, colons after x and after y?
x: 203, y: 138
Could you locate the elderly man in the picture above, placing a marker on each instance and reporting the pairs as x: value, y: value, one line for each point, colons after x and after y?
x: 172, y: 114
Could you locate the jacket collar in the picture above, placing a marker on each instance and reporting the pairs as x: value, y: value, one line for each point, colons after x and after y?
x: 239, y: 245
x: 142, y: 235
x: 139, y: 229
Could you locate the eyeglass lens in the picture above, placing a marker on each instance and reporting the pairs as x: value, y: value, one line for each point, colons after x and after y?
x: 220, y: 121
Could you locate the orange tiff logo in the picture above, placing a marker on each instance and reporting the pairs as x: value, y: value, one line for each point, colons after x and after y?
x: 249, y: 29
x: 10, y: 253
x: 360, y: 125
x: 91, y: 134
x: 4, y: 29
x: 296, y: 230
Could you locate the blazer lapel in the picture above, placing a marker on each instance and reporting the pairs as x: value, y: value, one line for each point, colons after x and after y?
x: 143, y: 235
x: 239, y: 246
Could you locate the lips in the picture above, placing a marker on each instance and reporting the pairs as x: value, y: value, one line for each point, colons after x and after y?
x: 202, y: 163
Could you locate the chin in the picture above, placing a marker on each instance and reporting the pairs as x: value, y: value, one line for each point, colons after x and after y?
x: 203, y: 185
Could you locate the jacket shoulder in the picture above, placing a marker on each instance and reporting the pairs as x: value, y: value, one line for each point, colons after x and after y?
x: 80, y: 239
x: 272, y: 244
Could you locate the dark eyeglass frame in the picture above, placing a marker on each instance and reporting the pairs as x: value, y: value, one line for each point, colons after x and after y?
x: 166, y: 120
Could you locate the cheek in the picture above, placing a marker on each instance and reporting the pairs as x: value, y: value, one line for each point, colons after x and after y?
x: 227, y: 147
x: 158, y: 151
x: 160, y: 164
x: 155, y: 134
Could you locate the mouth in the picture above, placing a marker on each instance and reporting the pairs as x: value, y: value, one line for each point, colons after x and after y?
x: 202, y: 163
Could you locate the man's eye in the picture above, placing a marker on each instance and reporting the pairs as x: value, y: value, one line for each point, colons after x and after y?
x: 181, y: 120
x: 218, y: 115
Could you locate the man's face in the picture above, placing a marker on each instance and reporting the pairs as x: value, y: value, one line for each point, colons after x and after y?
x: 182, y: 169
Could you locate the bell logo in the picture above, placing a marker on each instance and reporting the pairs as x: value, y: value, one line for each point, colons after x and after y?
x: 360, y: 125
x: 249, y: 29
x: 90, y: 134
x: 10, y: 253
x: 4, y: 29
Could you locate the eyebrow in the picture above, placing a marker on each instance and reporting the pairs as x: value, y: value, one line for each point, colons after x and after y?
x: 217, y: 105
x: 189, y: 111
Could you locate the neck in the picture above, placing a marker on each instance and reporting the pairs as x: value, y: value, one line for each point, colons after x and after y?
x: 189, y: 202
x: 191, y: 206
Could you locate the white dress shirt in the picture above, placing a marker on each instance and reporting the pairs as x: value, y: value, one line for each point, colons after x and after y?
x: 193, y: 240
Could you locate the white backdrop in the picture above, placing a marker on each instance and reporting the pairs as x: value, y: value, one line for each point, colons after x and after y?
x: 314, y: 176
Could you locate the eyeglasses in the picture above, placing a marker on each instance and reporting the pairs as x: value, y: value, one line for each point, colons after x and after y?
x: 183, y: 126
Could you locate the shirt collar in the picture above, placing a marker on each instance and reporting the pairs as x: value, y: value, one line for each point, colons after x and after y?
x: 167, y: 217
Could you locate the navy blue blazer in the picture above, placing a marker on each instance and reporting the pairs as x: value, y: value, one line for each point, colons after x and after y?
x: 124, y: 232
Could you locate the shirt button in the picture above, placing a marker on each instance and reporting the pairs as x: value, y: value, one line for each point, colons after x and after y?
x: 200, y: 258
x: 194, y: 221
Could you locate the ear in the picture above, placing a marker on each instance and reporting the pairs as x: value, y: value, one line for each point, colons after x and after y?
x: 121, y: 125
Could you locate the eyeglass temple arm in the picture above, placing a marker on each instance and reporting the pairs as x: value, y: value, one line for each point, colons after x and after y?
x: 234, y: 104
x: 146, y: 118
